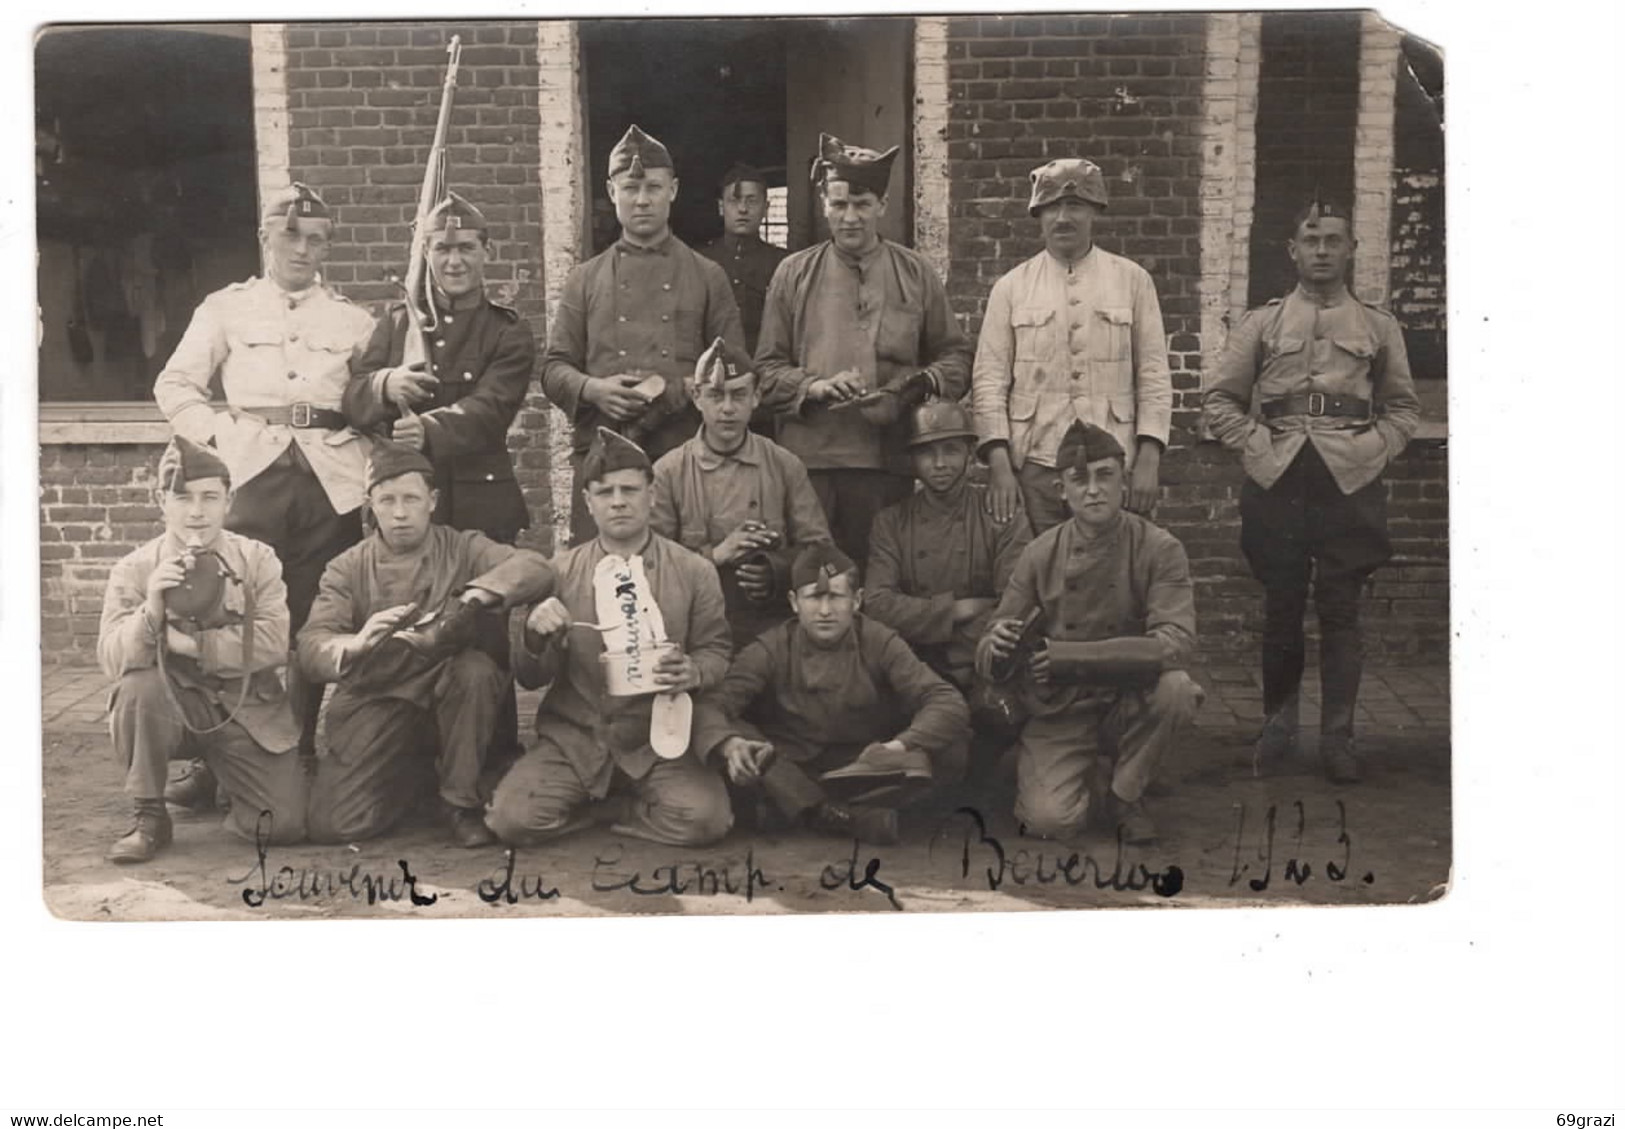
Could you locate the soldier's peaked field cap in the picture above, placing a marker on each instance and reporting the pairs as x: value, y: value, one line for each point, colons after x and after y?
x: 454, y: 213
x: 637, y: 152
x: 1066, y: 176
x: 184, y: 461
x: 862, y: 168
x: 741, y: 173
x: 391, y: 460
x: 939, y: 419
x: 721, y: 363
x: 611, y: 451
x: 294, y: 203
x: 1084, y: 443
x: 819, y: 564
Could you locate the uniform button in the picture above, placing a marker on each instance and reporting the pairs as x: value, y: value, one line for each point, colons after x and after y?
x: 621, y: 318
x: 440, y: 344
x: 623, y: 352
x: 490, y: 478
x: 450, y: 319
x: 468, y: 376
x: 292, y: 305
x: 1076, y: 327
x: 665, y: 286
x: 665, y: 352
x: 753, y: 505
x: 293, y: 337
x: 1074, y: 301
x: 665, y: 317
x: 293, y: 375
x: 736, y: 282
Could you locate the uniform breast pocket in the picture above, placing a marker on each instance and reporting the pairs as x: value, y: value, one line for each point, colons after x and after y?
x: 1034, y: 332
x: 899, y: 337
x: 1023, y: 405
x: 256, y: 337
x: 1112, y: 332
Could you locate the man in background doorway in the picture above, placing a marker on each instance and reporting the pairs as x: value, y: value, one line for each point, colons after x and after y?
x: 741, y: 251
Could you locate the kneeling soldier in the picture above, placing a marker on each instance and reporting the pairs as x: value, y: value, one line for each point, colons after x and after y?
x: 623, y: 596
x: 736, y: 497
x: 833, y: 707
x: 1111, y: 595
x: 395, y: 625
x: 194, y: 625
x: 938, y: 560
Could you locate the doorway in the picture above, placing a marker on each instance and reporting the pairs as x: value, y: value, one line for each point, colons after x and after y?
x: 719, y: 91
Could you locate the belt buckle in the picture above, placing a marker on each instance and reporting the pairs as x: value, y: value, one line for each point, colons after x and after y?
x: 1317, y: 403
x: 299, y: 415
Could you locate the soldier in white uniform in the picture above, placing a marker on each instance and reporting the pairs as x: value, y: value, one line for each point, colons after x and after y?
x: 282, y: 345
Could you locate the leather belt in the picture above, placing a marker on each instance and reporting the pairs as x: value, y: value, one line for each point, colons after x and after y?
x: 1318, y: 404
x: 300, y: 415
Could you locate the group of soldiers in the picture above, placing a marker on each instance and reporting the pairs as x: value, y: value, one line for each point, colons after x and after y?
x: 790, y: 596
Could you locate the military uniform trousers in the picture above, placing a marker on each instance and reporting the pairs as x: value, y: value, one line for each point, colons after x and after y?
x: 386, y: 753
x: 681, y: 802
x: 791, y: 779
x: 1065, y: 761
x: 1305, y: 532
x: 267, y: 790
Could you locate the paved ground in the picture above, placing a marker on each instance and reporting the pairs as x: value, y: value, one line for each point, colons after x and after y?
x: 1386, y: 840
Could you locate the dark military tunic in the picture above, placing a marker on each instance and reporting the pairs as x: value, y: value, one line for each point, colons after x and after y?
x: 484, y: 355
x: 749, y: 263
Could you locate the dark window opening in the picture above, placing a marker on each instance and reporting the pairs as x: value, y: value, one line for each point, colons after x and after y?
x: 146, y: 188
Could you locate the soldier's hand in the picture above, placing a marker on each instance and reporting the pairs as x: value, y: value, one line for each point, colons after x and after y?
x: 745, y: 759
x: 1003, y: 491
x: 167, y: 575
x: 755, y: 579
x: 969, y: 607
x: 1003, y: 635
x: 1038, y: 665
x: 614, y: 396
x: 409, y: 430
x: 380, y: 625
x: 844, y: 385
x: 1142, y: 485
x: 747, y: 538
x: 411, y: 385
x: 177, y: 642
x: 546, y: 620
x: 676, y: 672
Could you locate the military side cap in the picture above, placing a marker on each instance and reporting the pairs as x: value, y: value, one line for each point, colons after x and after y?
x: 721, y: 363
x: 637, y: 152
x: 861, y: 168
x: 819, y: 564
x: 611, y: 451
x: 184, y: 461
x: 741, y: 173
x: 939, y: 419
x: 1066, y: 176
x: 1318, y: 209
x: 454, y: 213
x: 391, y: 460
x: 294, y: 203
x: 1084, y: 443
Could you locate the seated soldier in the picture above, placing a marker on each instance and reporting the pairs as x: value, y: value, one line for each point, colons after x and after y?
x: 832, y: 707
x: 1110, y: 593
x: 623, y: 591
x: 194, y: 625
x: 395, y: 624
x: 735, y: 497
x: 938, y: 560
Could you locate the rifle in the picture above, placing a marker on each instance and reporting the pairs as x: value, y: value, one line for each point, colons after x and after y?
x: 419, y: 306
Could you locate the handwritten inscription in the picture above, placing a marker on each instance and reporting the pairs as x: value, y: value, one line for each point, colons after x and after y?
x: 1023, y: 866
x: 1296, y: 871
x: 306, y: 883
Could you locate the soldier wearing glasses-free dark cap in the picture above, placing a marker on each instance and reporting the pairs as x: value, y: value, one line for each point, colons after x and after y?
x: 1337, y: 406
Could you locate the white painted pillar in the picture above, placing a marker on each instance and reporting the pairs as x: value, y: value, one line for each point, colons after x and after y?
x: 1374, y: 156
x: 931, y: 140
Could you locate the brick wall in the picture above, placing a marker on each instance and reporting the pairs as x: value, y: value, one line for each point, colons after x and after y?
x: 95, y: 506
x: 1124, y: 91
x: 362, y: 99
x: 1417, y: 281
